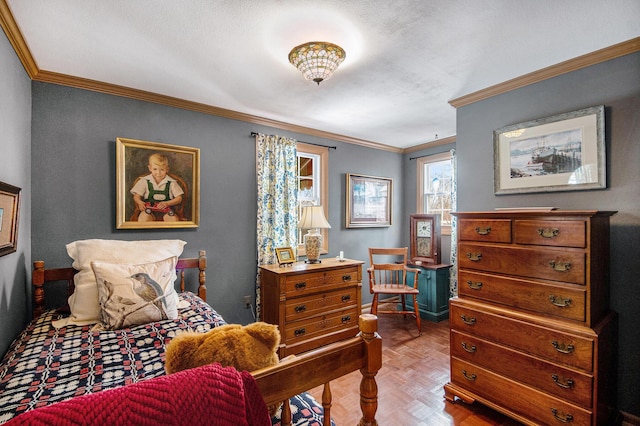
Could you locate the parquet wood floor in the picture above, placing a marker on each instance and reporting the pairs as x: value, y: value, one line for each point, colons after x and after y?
x: 410, y: 383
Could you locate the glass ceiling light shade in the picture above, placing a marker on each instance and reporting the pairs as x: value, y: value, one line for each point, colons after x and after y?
x: 316, y: 60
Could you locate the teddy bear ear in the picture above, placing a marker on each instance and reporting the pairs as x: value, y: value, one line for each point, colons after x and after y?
x: 268, y: 334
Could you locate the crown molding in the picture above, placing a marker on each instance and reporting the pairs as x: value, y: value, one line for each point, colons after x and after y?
x: 593, y: 58
x: 437, y: 142
x: 14, y: 35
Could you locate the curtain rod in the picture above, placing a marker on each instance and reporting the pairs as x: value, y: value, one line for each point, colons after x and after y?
x: 415, y: 158
x: 308, y: 143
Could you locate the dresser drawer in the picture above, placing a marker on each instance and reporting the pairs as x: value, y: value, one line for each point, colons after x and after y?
x: 563, y: 301
x: 545, y: 376
x: 539, y: 407
x: 313, y: 282
x: 545, y: 263
x: 321, y: 325
x: 566, y: 233
x: 306, y: 306
x: 552, y: 344
x: 487, y: 230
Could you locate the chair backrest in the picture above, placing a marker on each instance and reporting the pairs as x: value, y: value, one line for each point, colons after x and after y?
x: 388, y: 265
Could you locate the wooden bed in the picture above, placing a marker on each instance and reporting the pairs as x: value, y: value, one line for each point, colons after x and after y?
x: 278, y: 383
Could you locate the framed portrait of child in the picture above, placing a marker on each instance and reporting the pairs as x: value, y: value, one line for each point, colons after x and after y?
x: 157, y: 185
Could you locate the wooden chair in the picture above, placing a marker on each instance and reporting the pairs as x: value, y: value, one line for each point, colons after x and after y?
x: 388, y: 276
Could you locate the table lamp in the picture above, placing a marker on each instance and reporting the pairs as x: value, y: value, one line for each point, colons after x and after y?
x: 312, y: 218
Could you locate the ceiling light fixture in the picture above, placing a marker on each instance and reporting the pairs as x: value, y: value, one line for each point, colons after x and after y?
x: 316, y: 60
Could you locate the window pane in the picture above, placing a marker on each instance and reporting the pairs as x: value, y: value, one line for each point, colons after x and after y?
x: 437, y: 184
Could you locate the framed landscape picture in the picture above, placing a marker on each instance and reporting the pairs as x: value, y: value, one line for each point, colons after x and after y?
x: 564, y: 152
x: 9, y: 214
x: 368, y: 201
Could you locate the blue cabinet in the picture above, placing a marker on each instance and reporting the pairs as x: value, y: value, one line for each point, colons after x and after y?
x: 433, y: 283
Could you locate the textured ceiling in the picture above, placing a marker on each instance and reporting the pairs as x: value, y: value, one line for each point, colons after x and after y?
x: 406, y: 59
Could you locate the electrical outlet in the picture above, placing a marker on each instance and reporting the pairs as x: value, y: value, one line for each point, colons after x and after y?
x: 247, y: 301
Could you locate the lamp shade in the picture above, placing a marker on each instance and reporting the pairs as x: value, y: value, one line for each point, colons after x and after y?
x: 312, y: 217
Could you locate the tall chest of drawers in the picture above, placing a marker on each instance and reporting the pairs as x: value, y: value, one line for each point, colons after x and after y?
x: 312, y: 304
x: 532, y: 335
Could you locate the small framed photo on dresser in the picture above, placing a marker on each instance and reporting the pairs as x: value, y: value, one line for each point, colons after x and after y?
x: 425, y: 239
x: 285, y: 255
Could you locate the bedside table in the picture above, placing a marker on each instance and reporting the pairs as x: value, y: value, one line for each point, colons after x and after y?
x: 312, y: 304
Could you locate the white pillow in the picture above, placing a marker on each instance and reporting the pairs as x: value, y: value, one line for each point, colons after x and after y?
x: 135, y: 294
x: 83, y: 303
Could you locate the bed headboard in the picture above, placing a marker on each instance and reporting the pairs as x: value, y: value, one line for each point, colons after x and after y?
x: 40, y: 276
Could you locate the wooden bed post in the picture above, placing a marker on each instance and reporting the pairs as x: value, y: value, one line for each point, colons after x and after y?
x: 202, y: 277
x: 373, y: 356
x: 37, y: 281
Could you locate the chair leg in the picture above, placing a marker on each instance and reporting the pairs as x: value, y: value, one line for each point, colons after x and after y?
x: 374, y: 304
x: 416, y: 309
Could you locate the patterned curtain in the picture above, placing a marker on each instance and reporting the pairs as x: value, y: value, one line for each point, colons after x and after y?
x: 453, y: 279
x: 277, y: 217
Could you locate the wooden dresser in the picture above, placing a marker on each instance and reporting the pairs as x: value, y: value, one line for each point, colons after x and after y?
x: 312, y: 304
x: 532, y: 335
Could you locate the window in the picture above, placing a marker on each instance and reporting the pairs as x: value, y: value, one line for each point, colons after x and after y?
x: 435, y: 184
x: 313, y: 166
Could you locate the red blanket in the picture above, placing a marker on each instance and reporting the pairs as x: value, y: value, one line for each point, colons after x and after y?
x: 209, y: 395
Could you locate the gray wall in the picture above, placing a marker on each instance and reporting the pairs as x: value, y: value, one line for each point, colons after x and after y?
x: 15, y: 167
x: 616, y: 84
x: 74, y: 169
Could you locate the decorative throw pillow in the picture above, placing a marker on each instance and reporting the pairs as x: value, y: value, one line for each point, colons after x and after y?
x: 135, y: 294
x: 83, y: 303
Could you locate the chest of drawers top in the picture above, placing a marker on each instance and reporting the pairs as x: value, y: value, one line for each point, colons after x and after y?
x: 553, y: 263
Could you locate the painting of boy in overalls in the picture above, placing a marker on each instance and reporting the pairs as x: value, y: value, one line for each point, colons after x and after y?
x: 158, y: 194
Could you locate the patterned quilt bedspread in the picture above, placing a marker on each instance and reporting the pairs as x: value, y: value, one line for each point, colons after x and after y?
x: 45, y: 365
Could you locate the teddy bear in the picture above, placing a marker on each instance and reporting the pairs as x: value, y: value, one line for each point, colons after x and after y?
x: 248, y: 347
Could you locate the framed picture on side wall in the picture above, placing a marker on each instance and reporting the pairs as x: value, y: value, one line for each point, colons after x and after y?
x: 564, y: 152
x: 9, y: 214
x: 157, y: 185
x: 368, y: 201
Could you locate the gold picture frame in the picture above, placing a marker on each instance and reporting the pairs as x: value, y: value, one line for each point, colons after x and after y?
x: 285, y: 255
x: 9, y: 215
x: 368, y: 202
x: 425, y: 243
x: 174, y: 202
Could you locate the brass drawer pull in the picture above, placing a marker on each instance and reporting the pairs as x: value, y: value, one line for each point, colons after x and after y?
x: 300, y: 308
x: 477, y: 285
x: 560, y: 266
x: 548, y: 232
x: 301, y: 286
x: 299, y: 332
x: 568, y: 418
x: 346, y: 318
x: 470, y: 349
x: 474, y: 257
x: 483, y: 231
x: 568, y: 384
x: 346, y: 298
x: 562, y: 347
x: 559, y: 301
x: 346, y: 278
x: 471, y: 377
x: 468, y: 321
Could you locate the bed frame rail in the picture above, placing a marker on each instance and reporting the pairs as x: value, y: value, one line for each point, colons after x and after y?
x: 40, y: 276
x: 319, y: 367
